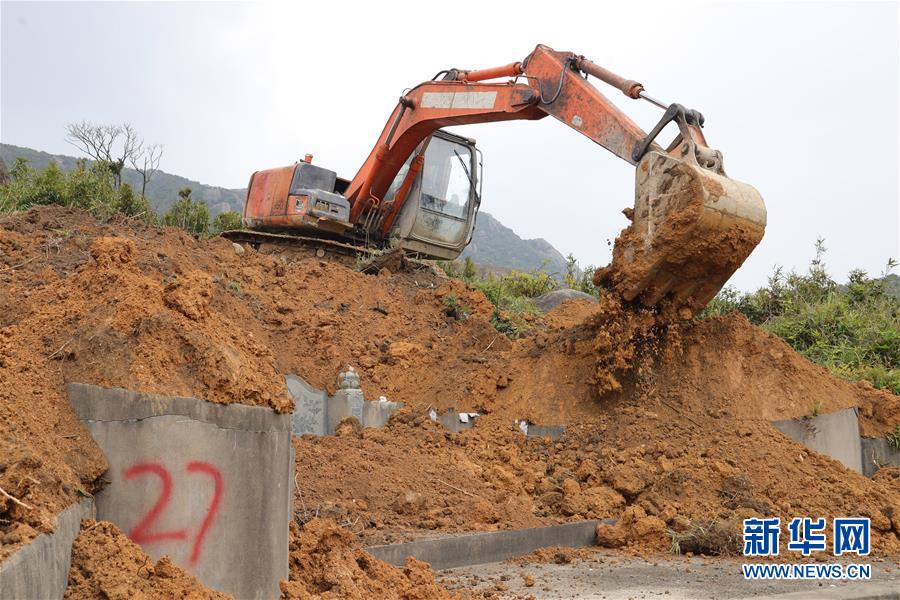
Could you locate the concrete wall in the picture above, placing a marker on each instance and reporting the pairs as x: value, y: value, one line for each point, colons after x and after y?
x: 41, y: 568
x: 877, y: 453
x: 345, y: 403
x: 489, y: 546
x: 208, y: 484
x: 452, y: 420
x: 317, y: 413
x: 376, y: 414
x: 554, y: 432
x: 835, y: 434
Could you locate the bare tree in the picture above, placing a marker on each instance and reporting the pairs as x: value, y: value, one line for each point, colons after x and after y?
x: 100, y: 143
x: 146, y: 162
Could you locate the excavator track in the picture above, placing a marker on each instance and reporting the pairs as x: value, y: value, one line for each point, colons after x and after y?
x: 320, y: 246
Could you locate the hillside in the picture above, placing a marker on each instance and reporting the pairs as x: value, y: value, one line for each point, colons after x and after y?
x: 493, y: 244
x: 162, y: 189
x: 497, y: 245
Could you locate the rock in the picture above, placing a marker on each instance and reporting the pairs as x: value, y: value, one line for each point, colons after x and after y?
x: 610, y: 536
x: 238, y: 249
x: 625, y: 480
x: 405, y: 352
x: 603, y: 500
x: 550, y: 300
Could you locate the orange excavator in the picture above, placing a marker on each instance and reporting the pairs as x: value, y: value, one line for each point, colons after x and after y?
x: 419, y: 190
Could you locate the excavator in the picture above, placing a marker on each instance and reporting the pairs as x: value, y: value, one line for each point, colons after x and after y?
x: 419, y: 190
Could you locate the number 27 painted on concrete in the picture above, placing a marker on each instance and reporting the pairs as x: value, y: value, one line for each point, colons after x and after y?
x: 142, y: 532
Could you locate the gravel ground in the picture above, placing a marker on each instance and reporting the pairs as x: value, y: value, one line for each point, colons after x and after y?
x: 614, y: 577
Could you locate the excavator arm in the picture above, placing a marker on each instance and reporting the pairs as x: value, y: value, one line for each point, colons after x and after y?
x: 692, y: 226
x: 553, y: 85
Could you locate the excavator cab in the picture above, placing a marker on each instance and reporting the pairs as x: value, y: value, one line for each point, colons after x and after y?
x: 438, y: 216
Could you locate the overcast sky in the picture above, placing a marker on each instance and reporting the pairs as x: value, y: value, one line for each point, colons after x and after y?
x: 801, y: 98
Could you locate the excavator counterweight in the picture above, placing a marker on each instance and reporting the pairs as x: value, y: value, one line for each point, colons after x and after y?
x: 419, y: 189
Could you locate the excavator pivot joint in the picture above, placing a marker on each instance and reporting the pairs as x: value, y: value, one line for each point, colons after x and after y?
x: 676, y: 112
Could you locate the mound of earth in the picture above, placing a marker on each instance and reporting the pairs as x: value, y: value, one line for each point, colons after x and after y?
x: 647, y: 465
x: 671, y: 418
x: 325, y: 562
x: 106, y: 564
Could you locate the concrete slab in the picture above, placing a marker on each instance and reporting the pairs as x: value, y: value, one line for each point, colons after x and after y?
x: 487, y: 547
x: 317, y: 413
x: 835, y: 434
x: 877, y: 453
x: 208, y: 484
x: 41, y: 569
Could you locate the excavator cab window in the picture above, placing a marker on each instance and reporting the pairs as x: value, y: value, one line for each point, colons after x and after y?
x: 446, y: 178
x: 441, y: 205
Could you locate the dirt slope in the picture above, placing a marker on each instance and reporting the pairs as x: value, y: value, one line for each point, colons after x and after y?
x: 121, y: 304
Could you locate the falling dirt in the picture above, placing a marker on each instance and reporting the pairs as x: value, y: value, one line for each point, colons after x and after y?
x: 691, y: 230
x: 106, y: 564
x: 668, y: 420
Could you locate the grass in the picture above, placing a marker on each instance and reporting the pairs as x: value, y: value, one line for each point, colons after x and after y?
x: 512, y: 295
x: 711, y: 538
x: 454, y: 309
x: 893, y: 438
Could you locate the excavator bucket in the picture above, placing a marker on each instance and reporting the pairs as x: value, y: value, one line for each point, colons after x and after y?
x: 691, y: 229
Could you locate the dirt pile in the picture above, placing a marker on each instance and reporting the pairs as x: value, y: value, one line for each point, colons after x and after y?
x: 672, y: 418
x: 648, y: 466
x: 325, y: 562
x: 106, y: 564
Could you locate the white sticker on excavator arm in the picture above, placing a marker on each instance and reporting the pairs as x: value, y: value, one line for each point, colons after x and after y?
x: 459, y: 99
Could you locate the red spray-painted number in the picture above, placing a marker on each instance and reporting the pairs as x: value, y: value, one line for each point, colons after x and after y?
x: 204, y: 467
x: 141, y: 533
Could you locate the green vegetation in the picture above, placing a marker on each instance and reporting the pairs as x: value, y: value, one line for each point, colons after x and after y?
x: 816, y: 409
x: 91, y: 185
x: 161, y: 190
x: 454, y: 309
x: 512, y: 294
x: 190, y: 215
x: 852, y: 329
x: 227, y: 221
x: 577, y: 279
x: 893, y: 438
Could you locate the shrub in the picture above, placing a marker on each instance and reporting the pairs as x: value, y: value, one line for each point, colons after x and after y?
x: 454, y: 309
x: 227, y: 221
x: 191, y: 216
x: 852, y: 329
x: 576, y: 279
x: 469, y: 271
x: 86, y: 186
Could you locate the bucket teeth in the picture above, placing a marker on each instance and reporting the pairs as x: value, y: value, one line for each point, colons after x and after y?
x: 691, y: 230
